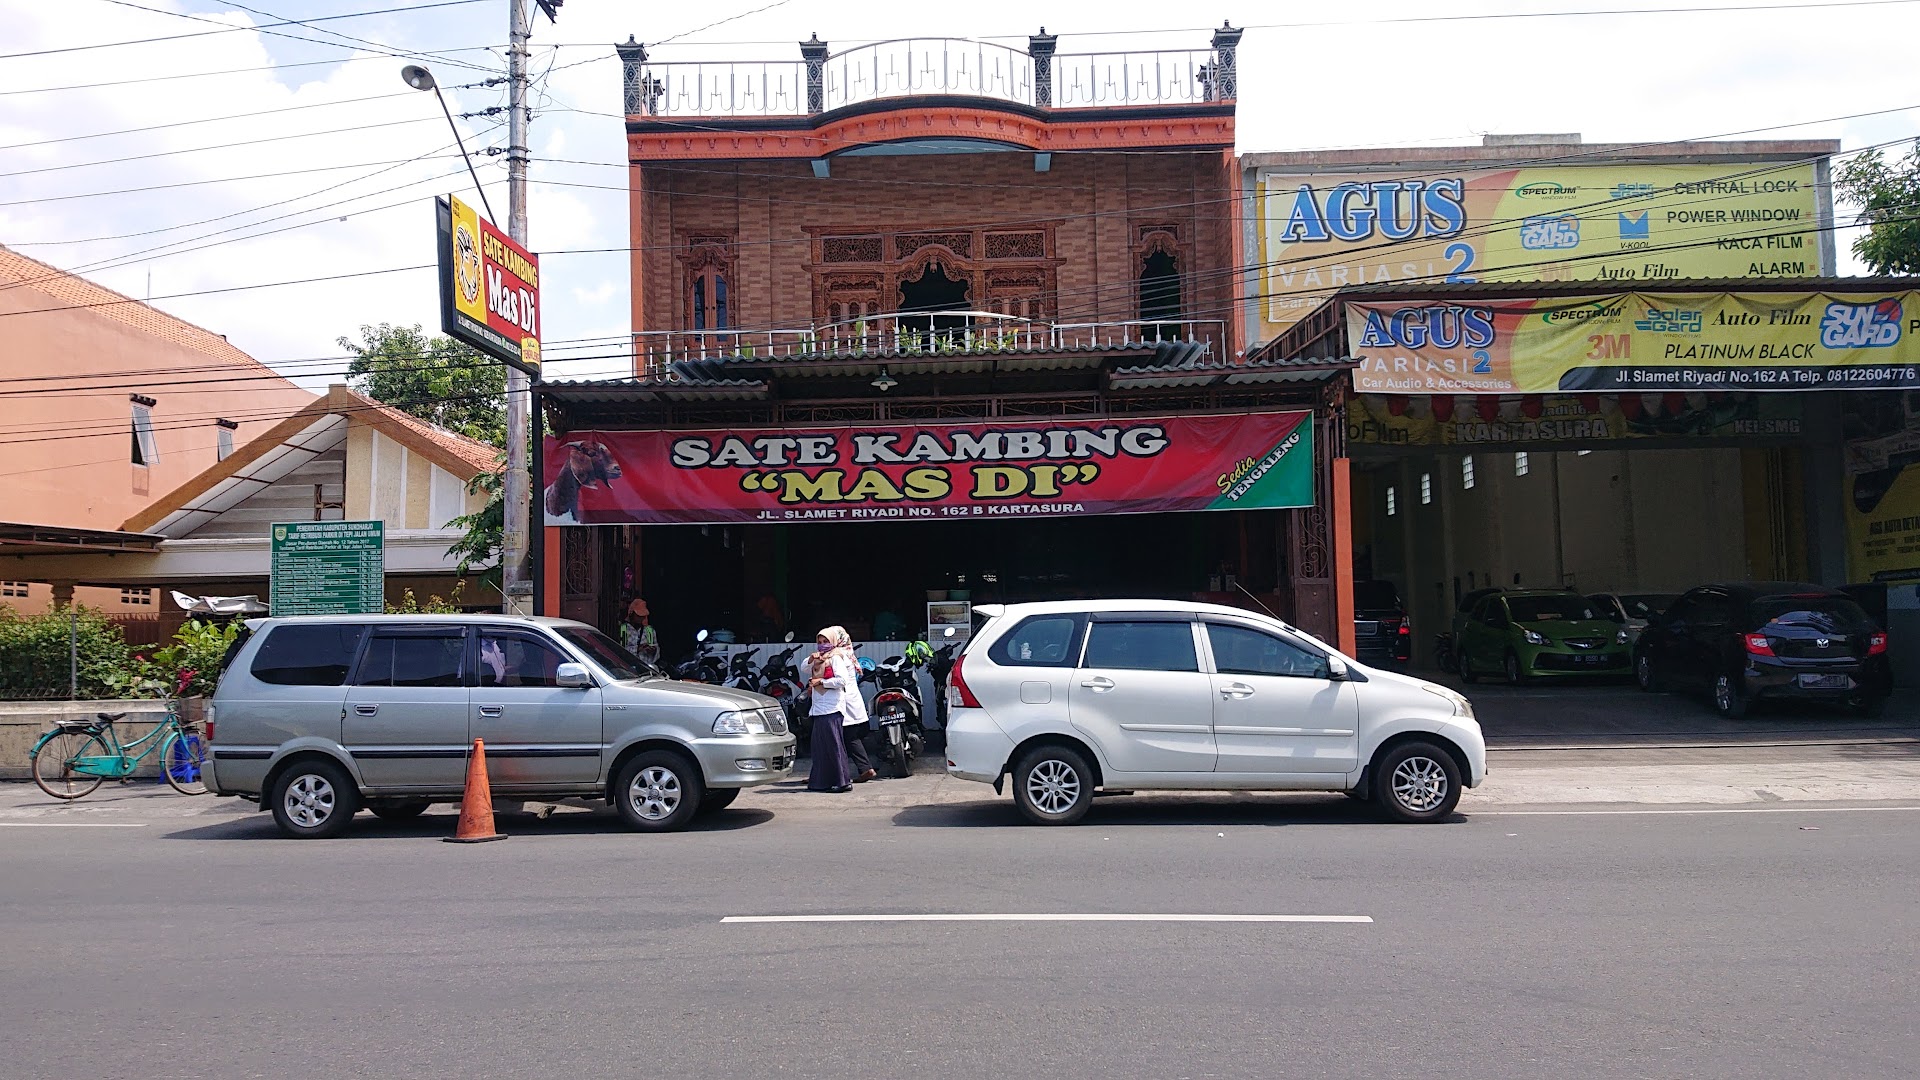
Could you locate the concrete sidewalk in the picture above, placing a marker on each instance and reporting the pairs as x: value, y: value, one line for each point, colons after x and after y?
x: 1855, y: 773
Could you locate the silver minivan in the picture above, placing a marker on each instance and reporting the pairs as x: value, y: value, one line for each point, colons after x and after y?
x: 318, y: 716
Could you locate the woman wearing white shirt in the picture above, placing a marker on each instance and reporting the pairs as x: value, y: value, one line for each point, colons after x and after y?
x: 834, y: 678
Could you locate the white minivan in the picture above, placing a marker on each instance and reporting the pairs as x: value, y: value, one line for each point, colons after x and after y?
x: 1070, y: 697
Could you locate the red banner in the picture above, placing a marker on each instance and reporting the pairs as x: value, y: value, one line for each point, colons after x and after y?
x: 931, y: 472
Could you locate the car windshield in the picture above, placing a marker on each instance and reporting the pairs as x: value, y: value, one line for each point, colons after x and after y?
x: 1526, y: 609
x: 608, y: 653
x: 1828, y: 615
x: 1647, y: 605
x: 1375, y: 596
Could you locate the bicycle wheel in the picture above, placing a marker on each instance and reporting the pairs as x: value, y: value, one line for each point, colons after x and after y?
x: 53, y: 765
x: 182, y: 759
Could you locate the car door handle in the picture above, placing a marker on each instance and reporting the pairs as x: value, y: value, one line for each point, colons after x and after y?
x: 367, y: 710
x: 1236, y: 690
x: 1099, y: 684
x: 490, y: 710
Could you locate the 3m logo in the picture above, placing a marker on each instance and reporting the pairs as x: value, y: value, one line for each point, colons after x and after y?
x: 1861, y: 326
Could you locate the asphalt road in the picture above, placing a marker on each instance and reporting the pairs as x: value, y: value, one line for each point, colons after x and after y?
x: 1657, y: 944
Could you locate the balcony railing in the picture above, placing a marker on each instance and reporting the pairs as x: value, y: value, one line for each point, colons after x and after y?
x: 823, y: 80
x: 922, y: 337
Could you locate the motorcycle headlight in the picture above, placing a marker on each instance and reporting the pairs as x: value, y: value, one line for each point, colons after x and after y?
x: 1535, y: 637
x: 740, y: 723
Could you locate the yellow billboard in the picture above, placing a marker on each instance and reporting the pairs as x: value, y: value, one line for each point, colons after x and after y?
x: 1638, y: 343
x: 1623, y: 224
x: 1883, y: 486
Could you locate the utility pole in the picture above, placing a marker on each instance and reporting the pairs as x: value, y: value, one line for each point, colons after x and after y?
x: 513, y: 555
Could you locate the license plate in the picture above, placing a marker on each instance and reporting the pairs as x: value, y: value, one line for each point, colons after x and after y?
x: 893, y: 718
x: 1366, y: 629
x: 1823, y: 682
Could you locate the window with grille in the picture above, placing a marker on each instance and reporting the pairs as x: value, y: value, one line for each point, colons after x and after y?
x: 145, y: 450
x: 1466, y: 472
x: 13, y: 589
x: 1392, y: 502
x: 1521, y: 464
x: 1426, y: 489
x: 137, y: 597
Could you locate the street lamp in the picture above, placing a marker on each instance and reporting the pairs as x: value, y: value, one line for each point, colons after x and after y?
x: 421, y: 79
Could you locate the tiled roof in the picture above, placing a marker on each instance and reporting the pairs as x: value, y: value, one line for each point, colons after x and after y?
x: 17, y: 270
x: 483, y: 457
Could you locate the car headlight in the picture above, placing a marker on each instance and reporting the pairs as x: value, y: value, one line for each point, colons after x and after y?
x: 1535, y: 637
x: 740, y: 723
x: 1620, y: 638
x: 1461, y: 706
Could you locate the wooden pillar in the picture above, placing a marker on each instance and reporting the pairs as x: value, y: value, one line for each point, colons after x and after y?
x: 548, y: 600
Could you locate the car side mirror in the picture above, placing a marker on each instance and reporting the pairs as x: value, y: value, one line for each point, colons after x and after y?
x: 572, y: 676
x: 1336, y: 669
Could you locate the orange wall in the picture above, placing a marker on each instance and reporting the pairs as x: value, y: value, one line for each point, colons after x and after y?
x: 66, y: 448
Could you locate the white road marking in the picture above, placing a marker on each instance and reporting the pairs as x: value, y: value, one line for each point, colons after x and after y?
x: 1716, y: 810
x: 1050, y: 917
x: 73, y: 824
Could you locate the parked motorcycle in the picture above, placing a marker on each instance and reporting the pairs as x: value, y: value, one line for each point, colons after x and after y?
x: 703, y: 666
x: 896, y: 707
x: 740, y: 673
x: 940, y: 667
x: 780, y: 680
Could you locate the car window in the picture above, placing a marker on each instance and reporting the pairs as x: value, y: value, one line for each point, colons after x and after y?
x: 1141, y: 646
x: 517, y: 660
x: 1238, y: 650
x: 308, y: 654
x: 1649, y: 606
x: 1490, y: 612
x: 1684, y: 609
x: 1527, y: 609
x: 613, y: 658
x: 1039, y: 641
x: 1820, y: 614
x: 1375, y: 596
x: 1605, y: 605
x: 1713, y: 608
x: 412, y: 660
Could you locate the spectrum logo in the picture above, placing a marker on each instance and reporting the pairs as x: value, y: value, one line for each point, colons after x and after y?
x: 1861, y: 326
x: 1547, y: 189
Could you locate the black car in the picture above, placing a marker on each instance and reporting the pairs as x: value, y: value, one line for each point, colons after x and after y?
x: 1745, y: 641
x: 1381, y: 630
x: 1443, y: 645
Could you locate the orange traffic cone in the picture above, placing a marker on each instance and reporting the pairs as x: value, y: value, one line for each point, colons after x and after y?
x: 476, y: 805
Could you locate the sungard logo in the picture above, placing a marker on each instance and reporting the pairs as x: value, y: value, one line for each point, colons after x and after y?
x: 1630, y: 191
x: 1547, y: 189
x: 1861, y: 326
x: 1670, y: 321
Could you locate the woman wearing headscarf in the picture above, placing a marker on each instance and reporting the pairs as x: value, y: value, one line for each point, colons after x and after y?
x: 834, y: 679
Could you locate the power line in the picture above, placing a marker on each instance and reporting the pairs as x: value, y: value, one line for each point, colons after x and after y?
x: 225, y: 29
x: 218, y: 146
x: 220, y: 180
x: 206, y: 120
x: 238, y: 71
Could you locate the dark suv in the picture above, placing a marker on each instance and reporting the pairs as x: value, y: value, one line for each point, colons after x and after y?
x: 1382, y: 633
x: 1745, y: 641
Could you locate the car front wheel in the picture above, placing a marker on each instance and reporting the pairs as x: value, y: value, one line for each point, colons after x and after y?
x: 1053, y: 785
x: 1645, y: 675
x: 658, y: 791
x: 1417, y: 783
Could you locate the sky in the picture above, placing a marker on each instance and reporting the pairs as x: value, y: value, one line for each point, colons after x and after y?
x: 340, y: 160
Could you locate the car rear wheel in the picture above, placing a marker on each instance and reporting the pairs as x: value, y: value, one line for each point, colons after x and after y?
x: 1467, y: 674
x: 313, y: 800
x: 1053, y: 785
x: 1729, y: 697
x: 1417, y: 783
x: 658, y: 791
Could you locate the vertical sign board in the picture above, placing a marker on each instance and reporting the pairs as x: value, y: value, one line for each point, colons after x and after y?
x: 329, y: 568
x: 489, y: 287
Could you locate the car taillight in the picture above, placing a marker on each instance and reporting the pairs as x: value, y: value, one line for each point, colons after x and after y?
x: 1405, y: 630
x: 958, y: 695
x: 1758, y: 645
x: 1876, y: 645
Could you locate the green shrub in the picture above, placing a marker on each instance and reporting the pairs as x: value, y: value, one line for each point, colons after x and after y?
x: 192, y: 663
x: 34, y: 653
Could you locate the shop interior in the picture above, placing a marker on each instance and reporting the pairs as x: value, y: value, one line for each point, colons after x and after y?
x: 756, y: 582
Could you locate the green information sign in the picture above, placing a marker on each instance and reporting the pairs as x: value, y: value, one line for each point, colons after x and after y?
x: 329, y: 568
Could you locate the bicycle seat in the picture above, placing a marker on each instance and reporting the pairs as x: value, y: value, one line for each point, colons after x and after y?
x: 107, y: 719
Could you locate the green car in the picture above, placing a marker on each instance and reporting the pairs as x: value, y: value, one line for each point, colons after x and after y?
x: 1543, y: 632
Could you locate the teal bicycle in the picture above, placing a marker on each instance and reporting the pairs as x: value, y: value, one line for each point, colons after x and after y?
x: 73, y: 759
